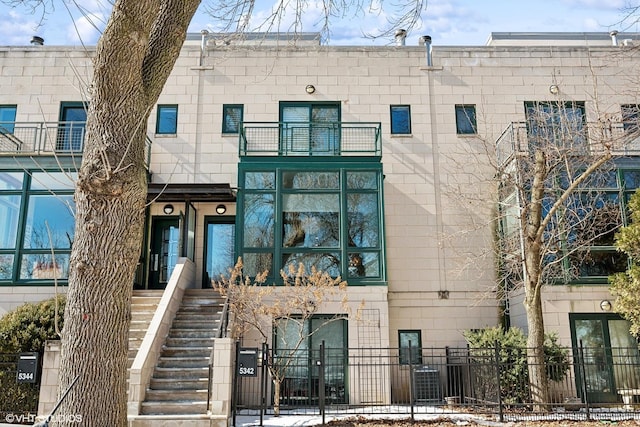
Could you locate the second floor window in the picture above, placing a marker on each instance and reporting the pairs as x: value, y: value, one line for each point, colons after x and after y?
x: 231, y: 118
x: 167, y: 120
x: 400, y: 119
x: 466, y: 120
x: 7, y: 118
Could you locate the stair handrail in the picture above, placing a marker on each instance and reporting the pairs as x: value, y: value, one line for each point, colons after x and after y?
x: 222, y: 333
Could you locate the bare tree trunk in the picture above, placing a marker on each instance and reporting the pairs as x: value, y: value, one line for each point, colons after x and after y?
x: 277, y: 386
x: 133, y: 60
x: 538, y: 381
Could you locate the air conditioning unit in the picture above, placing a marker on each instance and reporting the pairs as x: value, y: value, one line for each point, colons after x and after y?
x: 426, y: 384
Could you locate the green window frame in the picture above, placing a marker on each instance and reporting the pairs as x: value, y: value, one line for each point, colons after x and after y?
x: 7, y: 118
x: 410, y: 355
x: 328, y: 216
x: 39, y: 217
x: 232, y: 117
x: 400, y: 119
x: 167, y: 119
x: 466, y: 119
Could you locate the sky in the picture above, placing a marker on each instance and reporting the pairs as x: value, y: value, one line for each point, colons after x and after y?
x: 448, y: 22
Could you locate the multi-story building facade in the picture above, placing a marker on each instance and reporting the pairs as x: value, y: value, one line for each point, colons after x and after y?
x: 372, y: 163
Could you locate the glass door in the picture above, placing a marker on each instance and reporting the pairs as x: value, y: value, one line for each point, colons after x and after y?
x: 610, y: 353
x: 218, y: 251
x: 165, y: 247
x: 310, y: 129
x: 73, y: 116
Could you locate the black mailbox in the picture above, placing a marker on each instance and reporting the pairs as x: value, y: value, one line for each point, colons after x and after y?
x: 28, y: 367
x: 248, y: 362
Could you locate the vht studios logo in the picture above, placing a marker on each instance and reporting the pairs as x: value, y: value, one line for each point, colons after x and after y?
x: 31, y: 418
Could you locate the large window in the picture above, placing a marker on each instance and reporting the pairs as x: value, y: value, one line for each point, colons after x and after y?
x: 232, y: 118
x: 557, y: 124
x: 400, y: 119
x: 7, y: 118
x: 167, y: 119
x: 328, y: 218
x: 466, y: 120
x: 38, y: 218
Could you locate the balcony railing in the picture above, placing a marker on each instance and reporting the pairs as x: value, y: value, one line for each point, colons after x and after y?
x: 517, y: 138
x: 310, y: 139
x: 46, y: 138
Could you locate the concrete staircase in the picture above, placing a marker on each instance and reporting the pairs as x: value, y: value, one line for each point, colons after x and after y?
x: 180, y: 380
x: 143, y: 306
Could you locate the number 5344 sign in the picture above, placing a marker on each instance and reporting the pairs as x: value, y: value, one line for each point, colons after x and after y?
x: 248, y: 362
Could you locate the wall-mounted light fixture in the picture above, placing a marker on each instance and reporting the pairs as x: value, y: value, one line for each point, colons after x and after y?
x: 167, y: 209
x: 221, y: 209
x: 605, y: 305
x: 554, y: 89
x: 310, y: 89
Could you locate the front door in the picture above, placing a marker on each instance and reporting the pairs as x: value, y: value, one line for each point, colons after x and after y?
x: 165, y: 238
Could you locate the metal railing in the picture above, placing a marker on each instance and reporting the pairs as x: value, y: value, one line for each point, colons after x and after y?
x: 310, y: 139
x: 584, y: 383
x: 517, y: 139
x: 222, y: 333
x: 47, y: 138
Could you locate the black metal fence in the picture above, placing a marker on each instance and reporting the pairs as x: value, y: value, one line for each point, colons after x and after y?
x: 584, y: 383
x: 18, y: 401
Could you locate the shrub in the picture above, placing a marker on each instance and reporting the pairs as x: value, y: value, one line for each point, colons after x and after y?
x: 512, y: 355
x: 24, y: 329
x: 28, y: 327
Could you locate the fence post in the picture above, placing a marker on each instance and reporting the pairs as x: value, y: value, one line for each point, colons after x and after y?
x: 263, y: 383
x: 500, y: 407
x: 583, y: 379
x: 411, y: 382
x: 321, y: 390
x: 234, y: 398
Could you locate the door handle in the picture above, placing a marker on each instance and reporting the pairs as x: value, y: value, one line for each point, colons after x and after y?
x: 154, y: 262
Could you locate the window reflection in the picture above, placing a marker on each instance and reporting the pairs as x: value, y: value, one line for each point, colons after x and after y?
x: 44, y: 267
x: 50, y: 222
x: 10, y: 214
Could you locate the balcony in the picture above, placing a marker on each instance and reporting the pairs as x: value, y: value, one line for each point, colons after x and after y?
x: 306, y: 139
x: 46, y: 138
x: 621, y: 138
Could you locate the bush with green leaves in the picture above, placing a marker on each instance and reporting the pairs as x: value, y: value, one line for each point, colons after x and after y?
x: 509, y: 347
x: 24, y: 329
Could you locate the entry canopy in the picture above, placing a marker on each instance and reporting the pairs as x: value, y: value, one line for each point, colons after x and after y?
x: 190, y: 192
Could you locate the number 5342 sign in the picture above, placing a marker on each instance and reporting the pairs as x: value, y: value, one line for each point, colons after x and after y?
x: 248, y: 362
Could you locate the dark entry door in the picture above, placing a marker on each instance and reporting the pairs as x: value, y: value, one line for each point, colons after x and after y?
x: 165, y: 247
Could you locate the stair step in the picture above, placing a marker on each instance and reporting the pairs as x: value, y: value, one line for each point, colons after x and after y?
x: 182, y: 372
x: 179, y: 383
x: 171, y: 408
x: 189, y: 342
x: 193, y: 333
x: 175, y: 395
x: 183, y: 362
x: 186, y: 351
